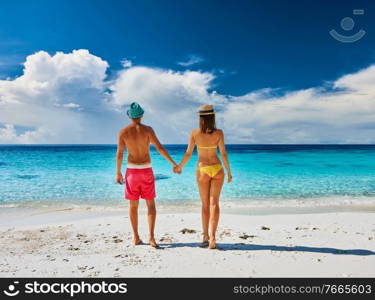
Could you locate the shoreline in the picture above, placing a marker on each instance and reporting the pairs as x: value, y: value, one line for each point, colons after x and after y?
x: 84, y: 244
x: 65, y: 211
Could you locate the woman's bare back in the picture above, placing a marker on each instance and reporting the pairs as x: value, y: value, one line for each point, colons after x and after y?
x: 207, y: 156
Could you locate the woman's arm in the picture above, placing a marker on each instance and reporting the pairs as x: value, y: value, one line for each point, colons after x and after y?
x: 224, y: 155
x: 188, y: 153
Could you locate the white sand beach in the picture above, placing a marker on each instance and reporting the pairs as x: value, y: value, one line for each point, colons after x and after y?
x: 84, y: 243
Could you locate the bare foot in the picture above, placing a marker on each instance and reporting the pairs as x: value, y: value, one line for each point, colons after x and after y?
x: 212, y: 244
x: 205, y: 242
x: 137, y: 241
x: 153, y: 243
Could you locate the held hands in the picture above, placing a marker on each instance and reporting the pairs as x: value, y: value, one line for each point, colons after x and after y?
x: 177, y: 169
x: 119, y: 178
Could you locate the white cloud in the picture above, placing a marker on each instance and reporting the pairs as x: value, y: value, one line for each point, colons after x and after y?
x: 72, y: 105
x: 340, y: 112
x: 66, y: 98
x: 8, y: 135
x: 44, y: 95
x: 361, y: 81
x: 191, y: 60
x: 126, y: 63
x: 169, y: 98
x: 306, y: 116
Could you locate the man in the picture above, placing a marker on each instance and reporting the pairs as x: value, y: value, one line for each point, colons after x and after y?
x: 139, y: 177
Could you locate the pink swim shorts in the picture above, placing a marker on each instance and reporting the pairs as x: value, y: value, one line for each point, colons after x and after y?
x: 139, y: 183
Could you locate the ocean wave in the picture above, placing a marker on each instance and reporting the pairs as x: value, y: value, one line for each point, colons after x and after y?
x: 26, y: 176
x: 161, y: 177
x: 10, y: 205
x: 3, y: 163
x: 328, y: 201
x: 236, y: 206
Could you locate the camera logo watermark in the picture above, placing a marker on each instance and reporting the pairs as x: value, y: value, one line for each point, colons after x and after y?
x: 347, y: 24
x: 11, y: 291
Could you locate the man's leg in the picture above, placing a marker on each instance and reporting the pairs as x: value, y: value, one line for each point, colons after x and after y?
x: 133, y: 214
x: 151, y: 214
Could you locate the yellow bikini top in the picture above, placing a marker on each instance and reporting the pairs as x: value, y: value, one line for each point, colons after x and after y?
x: 206, y: 147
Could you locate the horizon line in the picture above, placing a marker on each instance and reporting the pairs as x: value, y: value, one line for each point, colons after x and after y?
x: 233, y: 144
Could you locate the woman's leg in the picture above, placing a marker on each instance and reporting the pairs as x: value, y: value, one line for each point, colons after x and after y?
x: 203, y: 181
x: 215, y: 189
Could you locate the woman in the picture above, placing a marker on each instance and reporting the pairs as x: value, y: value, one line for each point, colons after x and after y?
x: 210, y: 173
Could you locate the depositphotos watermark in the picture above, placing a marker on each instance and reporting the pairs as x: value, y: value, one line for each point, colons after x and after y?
x: 347, y: 24
x: 70, y: 289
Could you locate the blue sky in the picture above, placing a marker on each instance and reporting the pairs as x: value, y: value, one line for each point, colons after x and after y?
x: 246, y: 46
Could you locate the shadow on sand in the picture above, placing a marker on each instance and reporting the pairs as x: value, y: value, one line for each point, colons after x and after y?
x: 254, y: 247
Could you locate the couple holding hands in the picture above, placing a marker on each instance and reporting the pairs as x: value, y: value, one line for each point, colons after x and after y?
x: 139, y: 177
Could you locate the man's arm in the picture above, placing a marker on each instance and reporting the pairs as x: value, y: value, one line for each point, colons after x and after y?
x: 163, y: 152
x: 120, y: 156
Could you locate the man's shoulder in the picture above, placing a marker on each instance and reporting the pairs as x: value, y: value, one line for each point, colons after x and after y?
x: 125, y: 130
x: 122, y: 130
x: 148, y: 128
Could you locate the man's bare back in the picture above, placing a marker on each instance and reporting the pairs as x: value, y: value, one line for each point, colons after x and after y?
x: 137, y: 139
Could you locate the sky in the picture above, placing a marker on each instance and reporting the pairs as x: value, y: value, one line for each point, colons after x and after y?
x: 273, y: 71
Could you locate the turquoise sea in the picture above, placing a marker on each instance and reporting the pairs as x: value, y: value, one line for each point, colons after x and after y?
x: 262, y: 175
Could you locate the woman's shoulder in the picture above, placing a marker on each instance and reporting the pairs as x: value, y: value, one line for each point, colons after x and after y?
x: 195, y: 131
x: 219, y: 131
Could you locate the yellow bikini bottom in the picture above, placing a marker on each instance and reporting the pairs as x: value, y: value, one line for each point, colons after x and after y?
x: 211, y: 170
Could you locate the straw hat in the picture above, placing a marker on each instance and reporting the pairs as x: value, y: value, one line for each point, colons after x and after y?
x: 205, y: 110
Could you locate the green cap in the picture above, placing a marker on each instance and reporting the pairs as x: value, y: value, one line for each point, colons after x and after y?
x: 135, y: 111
